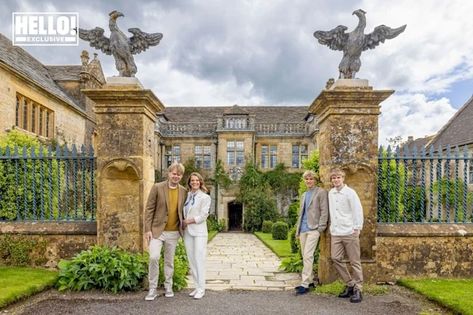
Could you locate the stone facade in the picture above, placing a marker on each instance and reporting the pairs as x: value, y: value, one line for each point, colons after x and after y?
x: 222, y: 127
x: 55, y: 89
x: 124, y: 147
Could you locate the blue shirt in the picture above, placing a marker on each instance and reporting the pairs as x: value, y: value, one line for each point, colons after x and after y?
x: 304, y: 227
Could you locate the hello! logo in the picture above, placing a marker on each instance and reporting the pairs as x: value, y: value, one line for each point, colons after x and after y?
x: 45, y: 28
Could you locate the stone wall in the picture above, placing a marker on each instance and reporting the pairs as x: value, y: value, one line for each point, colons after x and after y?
x: 423, y: 250
x: 54, y: 240
x: 70, y: 124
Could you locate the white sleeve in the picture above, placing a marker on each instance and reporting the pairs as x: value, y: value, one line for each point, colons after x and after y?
x: 204, y: 209
x: 357, y: 209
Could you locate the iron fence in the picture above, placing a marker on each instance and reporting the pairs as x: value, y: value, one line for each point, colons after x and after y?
x: 425, y: 186
x: 47, y: 184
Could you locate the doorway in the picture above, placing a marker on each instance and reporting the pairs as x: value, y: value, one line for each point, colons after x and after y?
x: 235, y: 216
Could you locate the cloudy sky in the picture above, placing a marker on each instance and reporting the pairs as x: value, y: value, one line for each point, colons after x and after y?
x: 262, y: 52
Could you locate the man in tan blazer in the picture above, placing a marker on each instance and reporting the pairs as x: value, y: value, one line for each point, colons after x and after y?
x: 313, y: 217
x: 163, y: 219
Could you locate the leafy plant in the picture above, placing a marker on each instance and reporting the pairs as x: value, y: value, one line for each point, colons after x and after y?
x: 220, y: 177
x: 255, y: 193
x: 311, y: 163
x: 31, y: 187
x: 109, y: 269
x: 215, y: 225
x: 267, y: 226
x: 295, y: 245
x: 281, y: 181
x: 292, y: 213
x: 280, y: 230
x: 293, y: 263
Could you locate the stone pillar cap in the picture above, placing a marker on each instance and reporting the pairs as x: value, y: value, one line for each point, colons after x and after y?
x: 350, y: 83
x: 124, y: 82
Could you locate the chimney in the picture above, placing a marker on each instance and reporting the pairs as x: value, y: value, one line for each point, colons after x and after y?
x: 410, y: 139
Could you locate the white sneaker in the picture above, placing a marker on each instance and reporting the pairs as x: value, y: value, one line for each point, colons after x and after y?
x: 152, y: 294
x: 199, y: 294
x: 193, y: 292
x: 169, y: 293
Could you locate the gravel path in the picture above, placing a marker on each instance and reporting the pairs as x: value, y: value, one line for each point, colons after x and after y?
x: 397, y: 301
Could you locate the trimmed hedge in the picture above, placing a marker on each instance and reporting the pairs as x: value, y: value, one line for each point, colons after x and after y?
x: 267, y: 226
x: 280, y: 230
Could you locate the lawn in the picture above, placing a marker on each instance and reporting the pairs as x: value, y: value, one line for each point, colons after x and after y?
x: 455, y: 294
x: 282, y: 248
x: 20, y: 282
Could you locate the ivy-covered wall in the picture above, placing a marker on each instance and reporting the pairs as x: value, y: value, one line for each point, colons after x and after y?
x: 44, y: 244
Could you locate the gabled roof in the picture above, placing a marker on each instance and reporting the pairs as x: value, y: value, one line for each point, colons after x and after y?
x: 458, y: 131
x: 20, y: 61
x: 418, y: 143
x: 235, y: 110
x: 263, y: 114
x: 65, y: 73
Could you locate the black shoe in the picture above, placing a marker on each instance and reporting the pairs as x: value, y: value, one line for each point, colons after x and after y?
x: 347, y: 292
x: 356, y: 297
x: 298, y: 287
x: 301, y: 290
x: 312, y: 286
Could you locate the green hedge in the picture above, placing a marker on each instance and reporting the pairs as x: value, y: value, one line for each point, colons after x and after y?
x: 267, y: 226
x: 280, y: 230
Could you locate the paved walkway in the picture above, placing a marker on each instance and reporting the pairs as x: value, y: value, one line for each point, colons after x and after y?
x: 241, y: 261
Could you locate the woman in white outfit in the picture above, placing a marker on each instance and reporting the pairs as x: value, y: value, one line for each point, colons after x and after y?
x: 196, y: 211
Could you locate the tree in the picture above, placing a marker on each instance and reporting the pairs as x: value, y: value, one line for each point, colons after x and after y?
x: 258, y: 198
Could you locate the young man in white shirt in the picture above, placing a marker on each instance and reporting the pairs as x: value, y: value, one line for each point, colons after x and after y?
x: 346, y: 216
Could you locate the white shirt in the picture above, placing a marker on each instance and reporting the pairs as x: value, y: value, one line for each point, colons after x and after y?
x: 346, y: 212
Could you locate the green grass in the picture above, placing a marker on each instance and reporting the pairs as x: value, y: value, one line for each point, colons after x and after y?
x: 20, y: 282
x: 455, y: 294
x: 336, y: 287
x: 211, y: 235
x: 282, y: 248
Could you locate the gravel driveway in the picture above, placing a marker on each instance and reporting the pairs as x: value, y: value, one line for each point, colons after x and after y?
x: 397, y: 301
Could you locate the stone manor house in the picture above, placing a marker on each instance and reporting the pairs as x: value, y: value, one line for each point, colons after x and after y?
x: 47, y: 102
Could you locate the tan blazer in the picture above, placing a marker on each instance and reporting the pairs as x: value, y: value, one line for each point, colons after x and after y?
x: 156, y: 213
x: 317, y: 210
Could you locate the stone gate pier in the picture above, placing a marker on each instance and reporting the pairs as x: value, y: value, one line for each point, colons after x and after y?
x: 348, y: 138
x: 124, y: 146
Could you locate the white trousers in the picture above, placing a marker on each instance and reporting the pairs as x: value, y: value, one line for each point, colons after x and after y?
x: 169, y: 239
x: 309, y: 242
x: 196, y: 248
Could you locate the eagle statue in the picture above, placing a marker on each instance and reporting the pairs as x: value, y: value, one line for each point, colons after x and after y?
x: 119, y: 45
x: 353, y: 43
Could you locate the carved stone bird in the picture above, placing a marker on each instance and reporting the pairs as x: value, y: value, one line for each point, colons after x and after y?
x: 119, y: 45
x: 352, y: 44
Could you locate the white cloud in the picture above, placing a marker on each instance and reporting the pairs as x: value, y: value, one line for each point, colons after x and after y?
x: 412, y: 115
x: 218, y: 52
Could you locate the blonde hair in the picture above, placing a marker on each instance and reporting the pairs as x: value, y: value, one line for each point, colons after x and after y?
x: 337, y: 172
x: 201, y: 180
x: 311, y: 173
x: 177, y: 166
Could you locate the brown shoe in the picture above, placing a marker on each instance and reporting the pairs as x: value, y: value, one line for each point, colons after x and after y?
x: 347, y: 292
x: 356, y: 297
